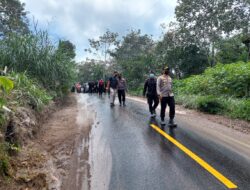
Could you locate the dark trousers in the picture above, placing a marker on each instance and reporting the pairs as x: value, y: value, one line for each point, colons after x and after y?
x: 101, y: 90
x: 171, y: 103
x: 152, y: 100
x: 91, y: 89
x: 121, y: 96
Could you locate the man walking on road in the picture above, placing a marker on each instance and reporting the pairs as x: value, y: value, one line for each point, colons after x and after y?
x: 151, y: 93
x: 165, y: 93
x: 122, y: 88
x: 112, y: 86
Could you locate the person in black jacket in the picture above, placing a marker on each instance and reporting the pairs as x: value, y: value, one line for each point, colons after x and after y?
x: 151, y: 93
x: 112, y: 86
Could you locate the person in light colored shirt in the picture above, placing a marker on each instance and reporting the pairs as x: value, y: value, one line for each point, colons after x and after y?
x: 166, y: 96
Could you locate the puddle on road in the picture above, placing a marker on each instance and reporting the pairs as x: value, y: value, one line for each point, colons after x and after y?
x: 94, y: 160
x: 100, y: 158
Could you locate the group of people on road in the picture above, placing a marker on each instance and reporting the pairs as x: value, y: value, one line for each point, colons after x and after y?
x: 155, y: 89
x: 160, y: 90
x: 96, y: 87
x: 117, y: 84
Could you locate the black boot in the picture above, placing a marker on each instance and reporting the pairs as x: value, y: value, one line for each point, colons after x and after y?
x: 171, y: 123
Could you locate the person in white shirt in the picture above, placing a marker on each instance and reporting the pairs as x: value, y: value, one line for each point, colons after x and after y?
x: 166, y: 96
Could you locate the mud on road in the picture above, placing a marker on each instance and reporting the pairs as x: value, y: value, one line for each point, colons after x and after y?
x: 65, y: 140
x: 57, y: 159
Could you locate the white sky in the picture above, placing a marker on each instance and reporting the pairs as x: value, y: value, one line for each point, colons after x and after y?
x: 79, y: 20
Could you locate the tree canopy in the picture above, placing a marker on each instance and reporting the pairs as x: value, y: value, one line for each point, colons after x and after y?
x: 12, y: 17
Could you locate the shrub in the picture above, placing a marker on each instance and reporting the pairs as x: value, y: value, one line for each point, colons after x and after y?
x: 136, y: 92
x: 6, y: 85
x: 223, y: 89
x: 239, y: 108
x: 188, y: 101
x: 232, y: 80
x: 210, y: 104
x: 29, y: 92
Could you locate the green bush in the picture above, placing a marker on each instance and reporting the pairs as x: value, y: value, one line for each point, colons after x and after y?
x: 136, y: 92
x: 29, y: 92
x: 232, y: 107
x: 232, y: 80
x: 238, y: 108
x: 188, y: 101
x: 6, y: 85
x: 210, y: 104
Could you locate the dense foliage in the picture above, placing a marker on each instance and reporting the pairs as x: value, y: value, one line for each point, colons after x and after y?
x: 231, y: 80
x: 28, y: 92
x: 38, y: 57
x: 91, y: 71
x: 6, y: 85
x: 224, y: 89
x: 12, y: 17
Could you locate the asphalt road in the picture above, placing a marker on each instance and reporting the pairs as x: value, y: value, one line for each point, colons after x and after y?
x: 126, y: 153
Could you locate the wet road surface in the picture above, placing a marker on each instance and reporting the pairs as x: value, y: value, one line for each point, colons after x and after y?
x: 125, y: 153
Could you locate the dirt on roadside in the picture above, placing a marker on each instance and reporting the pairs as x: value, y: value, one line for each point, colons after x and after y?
x: 49, y: 161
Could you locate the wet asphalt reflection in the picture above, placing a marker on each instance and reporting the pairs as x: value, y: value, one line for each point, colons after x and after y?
x: 127, y: 154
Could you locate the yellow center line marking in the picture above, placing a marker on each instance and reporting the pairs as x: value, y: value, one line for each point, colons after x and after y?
x: 200, y: 161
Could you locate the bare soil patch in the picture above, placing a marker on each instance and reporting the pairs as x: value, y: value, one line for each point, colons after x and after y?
x: 47, y: 160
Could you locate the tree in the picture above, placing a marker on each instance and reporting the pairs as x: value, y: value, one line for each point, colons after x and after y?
x: 12, y: 17
x: 193, y: 60
x: 182, y: 55
x: 230, y: 50
x: 133, y: 45
x: 103, y: 45
x: 134, y: 57
x: 91, y: 71
x: 246, y: 40
x: 168, y: 49
x: 67, y: 47
x: 207, y: 20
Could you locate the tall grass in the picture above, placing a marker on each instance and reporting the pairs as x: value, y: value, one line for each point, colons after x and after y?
x: 36, y: 55
x: 28, y: 92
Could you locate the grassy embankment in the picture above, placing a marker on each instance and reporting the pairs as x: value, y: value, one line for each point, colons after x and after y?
x: 38, y: 72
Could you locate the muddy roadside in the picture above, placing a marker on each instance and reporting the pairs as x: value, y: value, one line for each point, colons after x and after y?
x: 51, y: 159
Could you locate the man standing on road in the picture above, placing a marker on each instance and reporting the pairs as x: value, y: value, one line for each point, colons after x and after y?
x: 112, y: 86
x: 151, y: 93
x: 165, y: 93
x: 122, y: 88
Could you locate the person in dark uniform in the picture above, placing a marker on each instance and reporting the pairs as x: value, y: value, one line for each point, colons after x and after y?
x: 150, y: 90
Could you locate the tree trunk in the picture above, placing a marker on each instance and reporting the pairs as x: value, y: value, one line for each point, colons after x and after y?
x: 213, y: 56
x: 248, y: 53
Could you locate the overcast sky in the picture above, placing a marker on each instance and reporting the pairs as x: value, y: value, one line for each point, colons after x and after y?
x: 79, y: 20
